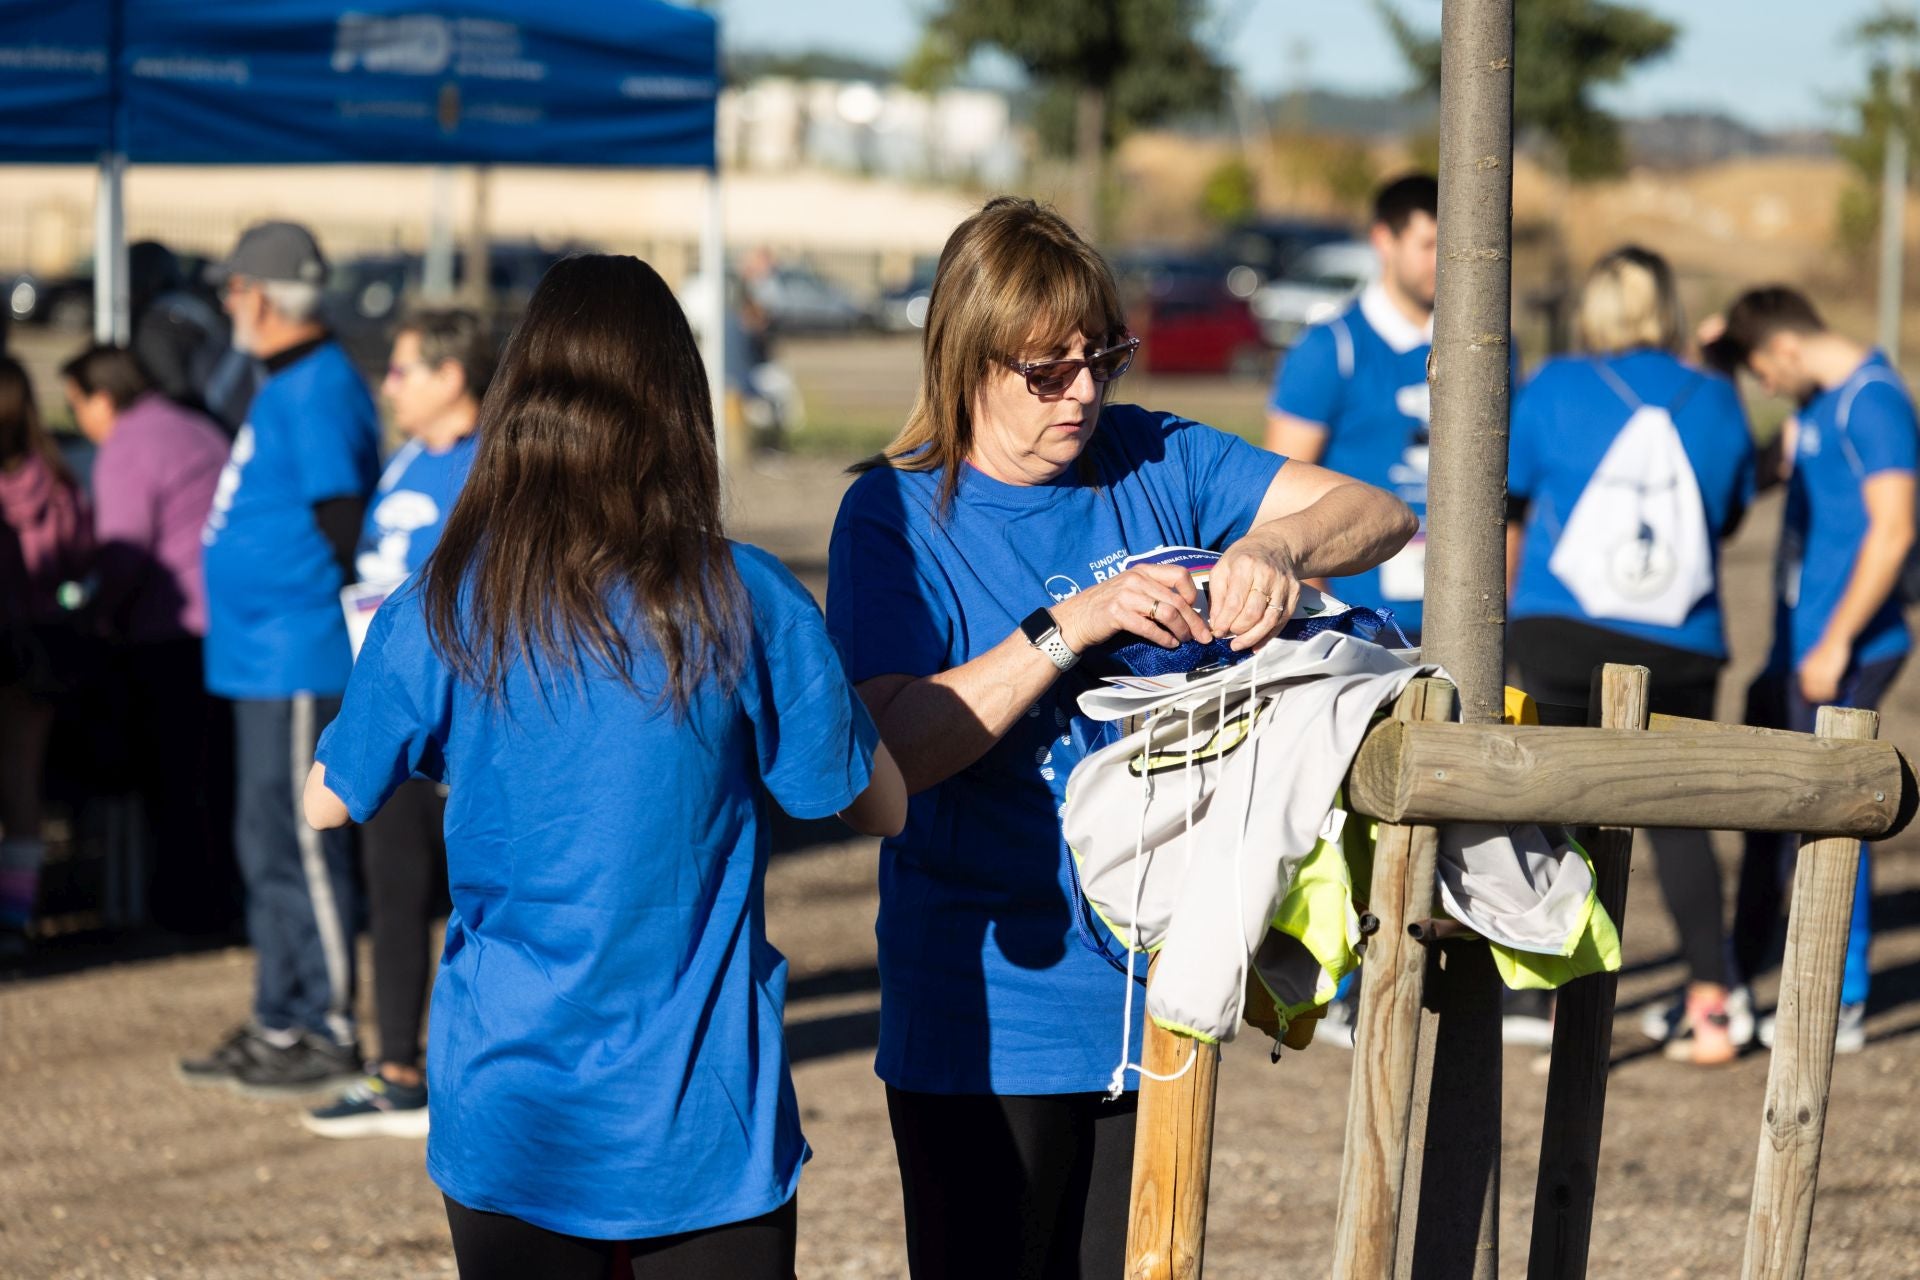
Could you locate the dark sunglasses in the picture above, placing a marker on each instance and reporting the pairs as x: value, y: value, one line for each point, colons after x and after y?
x: 1052, y: 377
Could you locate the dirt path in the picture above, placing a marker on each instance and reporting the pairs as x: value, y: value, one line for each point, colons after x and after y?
x: 111, y: 1168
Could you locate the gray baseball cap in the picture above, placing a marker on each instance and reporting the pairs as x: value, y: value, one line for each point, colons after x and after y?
x: 273, y: 251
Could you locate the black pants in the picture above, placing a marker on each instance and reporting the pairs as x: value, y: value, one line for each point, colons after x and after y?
x: 180, y: 741
x: 1555, y: 658
x: 496, y: 1246
x: 1014, y: 1187
x: 403, y: 851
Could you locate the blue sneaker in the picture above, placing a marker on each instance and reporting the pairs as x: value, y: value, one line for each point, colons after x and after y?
x: 373, y: 1106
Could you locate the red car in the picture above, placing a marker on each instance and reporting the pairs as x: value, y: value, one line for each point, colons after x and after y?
x: 1198, y: 326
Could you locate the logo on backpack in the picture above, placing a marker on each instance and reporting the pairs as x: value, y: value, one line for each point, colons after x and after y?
x: 1636, y: 547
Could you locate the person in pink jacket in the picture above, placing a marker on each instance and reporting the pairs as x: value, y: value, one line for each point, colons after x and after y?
x: 154, y: 476
x: 46, y: 542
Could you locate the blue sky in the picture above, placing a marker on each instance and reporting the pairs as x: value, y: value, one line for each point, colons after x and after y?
x: 1775, y: 63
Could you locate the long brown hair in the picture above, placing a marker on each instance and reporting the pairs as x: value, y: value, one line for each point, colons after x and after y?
x: 594, y: 485
x: 21, y: 433
x: 1013, y: 277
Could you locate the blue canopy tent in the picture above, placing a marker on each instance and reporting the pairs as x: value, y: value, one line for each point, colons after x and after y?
x: 605, y: 83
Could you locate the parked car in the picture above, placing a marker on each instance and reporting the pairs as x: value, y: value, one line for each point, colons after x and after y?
x: 1197, y: 325
x: 904, y: 309
x: 1267, y: 249
x: 60, y: 301
x: 796, y: 300
x: 1324, y: 280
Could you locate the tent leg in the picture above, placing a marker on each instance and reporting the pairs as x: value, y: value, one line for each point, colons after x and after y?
x: 112, y: 311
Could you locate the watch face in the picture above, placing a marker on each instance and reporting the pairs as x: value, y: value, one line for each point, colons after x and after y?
x: 1036, y: 625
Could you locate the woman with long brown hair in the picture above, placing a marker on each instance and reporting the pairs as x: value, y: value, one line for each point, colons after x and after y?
x: 973, y: 566
x: 606, y: 683
x: 46, y: 540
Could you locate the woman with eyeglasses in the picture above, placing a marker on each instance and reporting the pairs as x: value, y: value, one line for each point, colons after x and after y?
x: 973, y: 564
x: 612, y: 690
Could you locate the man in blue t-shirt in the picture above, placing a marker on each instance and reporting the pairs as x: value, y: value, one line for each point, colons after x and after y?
x: 1352, y: 395
x: 1840, y: 637
x: 279, y: 544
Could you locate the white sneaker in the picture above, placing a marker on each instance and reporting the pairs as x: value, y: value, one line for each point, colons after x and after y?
x: 1528, y: 1029
x: 1849, y: 1034
x: 1661, y: 1023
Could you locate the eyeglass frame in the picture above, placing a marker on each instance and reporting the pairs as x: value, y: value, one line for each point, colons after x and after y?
x: 1027, y: 368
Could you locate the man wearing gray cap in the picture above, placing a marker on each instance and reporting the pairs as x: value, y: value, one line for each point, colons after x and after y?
x: 279, y: 544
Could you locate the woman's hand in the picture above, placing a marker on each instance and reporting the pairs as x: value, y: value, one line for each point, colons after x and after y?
x: 1254, y: 590
x: 1152, y: 601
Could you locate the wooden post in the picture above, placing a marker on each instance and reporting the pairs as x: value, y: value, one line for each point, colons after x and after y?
x: 1583, y: 1033
x: 1795, y: 1117
x: 1466, y: 597
x: 1380, y: 1098
x: 1172, y: 1158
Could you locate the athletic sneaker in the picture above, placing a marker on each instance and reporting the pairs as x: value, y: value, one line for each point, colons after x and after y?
x: 310, y: 1063
x: 1527, y: 1019
x: 1668, y: 1020
x: 374, y: 1106
x: 1849, y: 1035
x: 224, y: 1061
x: 1337, y: 1024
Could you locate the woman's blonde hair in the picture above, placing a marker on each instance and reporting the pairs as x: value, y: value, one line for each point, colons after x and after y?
x: 1629, y: 303
x: 1014, y: 278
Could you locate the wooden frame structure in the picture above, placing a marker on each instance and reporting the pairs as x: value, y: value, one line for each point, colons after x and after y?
x: 1837, y: 788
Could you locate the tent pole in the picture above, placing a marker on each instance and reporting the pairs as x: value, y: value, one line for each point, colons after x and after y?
x: 713, y: 273
x: 112, y: 318
x: 437, y: 272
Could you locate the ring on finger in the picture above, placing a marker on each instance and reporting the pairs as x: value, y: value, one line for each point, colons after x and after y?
x: 1153, y: 613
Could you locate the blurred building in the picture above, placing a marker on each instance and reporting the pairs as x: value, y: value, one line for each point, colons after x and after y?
x: 778, y: 124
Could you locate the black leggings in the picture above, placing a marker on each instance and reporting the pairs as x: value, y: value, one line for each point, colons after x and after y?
x: 405, y: 857
x: 497, y: 1246
x: 1014, y: 1187
x: 1555, y: 658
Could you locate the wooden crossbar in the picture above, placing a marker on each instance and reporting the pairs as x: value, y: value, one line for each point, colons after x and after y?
x: 1708, y: 778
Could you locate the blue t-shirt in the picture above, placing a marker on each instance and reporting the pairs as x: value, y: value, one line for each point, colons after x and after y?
x: 274, y: 626
x: 1858, y: 429
x: 985, y: 984
x: 410, y: 507
x: 604, y: 1055
x: 1365, y: 381
x: 1566, y: 419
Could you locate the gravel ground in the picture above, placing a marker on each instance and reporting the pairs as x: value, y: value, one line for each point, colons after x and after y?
x: 110, y: 1167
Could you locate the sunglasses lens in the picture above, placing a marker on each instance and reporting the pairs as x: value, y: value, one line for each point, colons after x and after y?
x: 1053, y: 378
x: 1111, y: 364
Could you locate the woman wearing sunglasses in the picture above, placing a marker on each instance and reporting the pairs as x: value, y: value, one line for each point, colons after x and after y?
x: 973, y: 564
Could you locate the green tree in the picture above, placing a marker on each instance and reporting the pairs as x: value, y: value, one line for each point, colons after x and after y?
x: 1891, y: 37
x: 1101, y: 69
x: 1562, y: 49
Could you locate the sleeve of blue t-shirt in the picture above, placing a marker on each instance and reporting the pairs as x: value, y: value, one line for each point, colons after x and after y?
x: 1721, y: 399
x: 1310, y: 384
x: 335, y: 440
x: 1882, y: 430
x: 1226, y: 478
x: 813, y: 735
x: 393, y: 718
x: 885, y: 608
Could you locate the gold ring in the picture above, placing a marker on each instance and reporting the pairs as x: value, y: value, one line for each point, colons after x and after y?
x: 1273, y: 608
x: 1153, y: 613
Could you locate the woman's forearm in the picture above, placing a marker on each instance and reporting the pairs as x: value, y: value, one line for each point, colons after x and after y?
x: 1347, y: 529
x: 938, y: 725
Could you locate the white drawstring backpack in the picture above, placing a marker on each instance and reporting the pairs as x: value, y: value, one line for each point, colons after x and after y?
x: 1636, y: 547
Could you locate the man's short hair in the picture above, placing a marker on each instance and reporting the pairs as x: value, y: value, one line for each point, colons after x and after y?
x: 456, y: 334
x: 1755, y: 317
x: 114, y: 370
x: 297, y: 301
x: 1395, y: 204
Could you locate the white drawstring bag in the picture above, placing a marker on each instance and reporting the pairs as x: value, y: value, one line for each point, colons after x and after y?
x: 1636, y: 547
